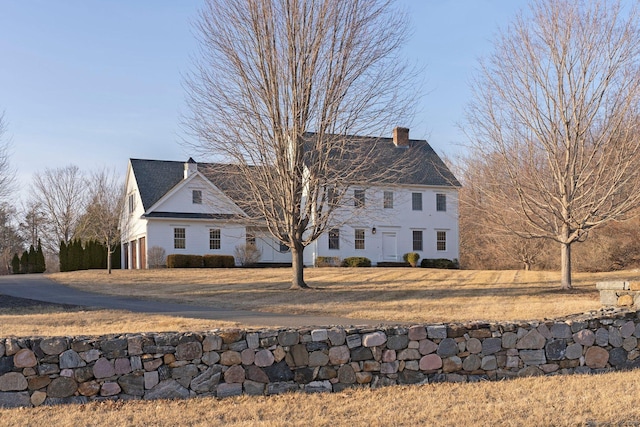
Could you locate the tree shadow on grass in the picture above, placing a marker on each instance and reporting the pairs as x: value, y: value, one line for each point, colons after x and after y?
x: 18, y: 306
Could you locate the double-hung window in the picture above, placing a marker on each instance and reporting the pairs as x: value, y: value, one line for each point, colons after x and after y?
x: 387, y: 201
x: 359, y: 238
x: 416, y: 201
x: 332, y: 196
x: 196, y: 197
x: 417, y: 240
x: 441, y: 202
x: 132, y: 203
x: 214, y: 238
x: 180, y: 238
x: 358, y: 198
x: 334, y: 238
x: 441, y: 240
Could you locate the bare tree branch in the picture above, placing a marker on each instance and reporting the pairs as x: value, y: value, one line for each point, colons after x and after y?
x: 7, y: 173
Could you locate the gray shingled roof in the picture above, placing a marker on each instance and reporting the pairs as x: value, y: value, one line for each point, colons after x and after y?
x: 430, y: 169
x: 423, y: 165
x: 156, y: 177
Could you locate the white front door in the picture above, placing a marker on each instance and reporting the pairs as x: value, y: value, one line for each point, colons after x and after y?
x: 389, y: 247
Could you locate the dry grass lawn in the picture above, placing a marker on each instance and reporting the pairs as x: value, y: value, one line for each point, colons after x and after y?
x: 388, y: 294
x: 47, y: 321
x: 608, y: 399
x: 410, y: 295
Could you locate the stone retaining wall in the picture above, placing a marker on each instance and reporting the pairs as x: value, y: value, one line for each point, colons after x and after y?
x: 619, y: 293
x: 36, y: 371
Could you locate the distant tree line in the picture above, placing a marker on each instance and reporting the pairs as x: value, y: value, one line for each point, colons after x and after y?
x: 63, y: 205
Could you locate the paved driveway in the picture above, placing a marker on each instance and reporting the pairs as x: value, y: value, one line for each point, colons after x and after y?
x: 38, y: 287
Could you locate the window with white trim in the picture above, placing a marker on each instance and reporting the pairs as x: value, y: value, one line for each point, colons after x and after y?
x: 416, y: 201
x: 358, y: 198
x: 441, y: 240
x: 332, y: 196
x: 251, y: 239
x: 180, y: 238
x: 417, y: 240
x: 214, y: 239
x: 441, y: 202
x: 334, y: 238
x: 132, y: 202
x: 359, y: 238
x: 387, y: 200
x: 196, y: 197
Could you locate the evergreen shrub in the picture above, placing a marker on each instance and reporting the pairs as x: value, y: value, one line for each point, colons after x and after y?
x: 24, y: 262
x: 356, y: 261
x: 412, y: 258
x: 442, y: 263
x: 218, y: 261
x: 15, y: 264
x: 327, y: 261
x: 184, y: 261
x: 393, y: 264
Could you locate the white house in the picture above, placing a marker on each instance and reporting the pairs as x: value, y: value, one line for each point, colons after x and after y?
x: 189, y: 208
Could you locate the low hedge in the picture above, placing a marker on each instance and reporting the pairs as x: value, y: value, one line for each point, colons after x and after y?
x: 393, y: 264
x: 327, y: 261
x: 200, y: 261
x: 440, y: 263
x: 184, y: 261
x: 356, y: 261
x: 218, y: 261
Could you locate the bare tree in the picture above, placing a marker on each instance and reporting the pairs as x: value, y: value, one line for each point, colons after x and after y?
x: 272, y: 70
x: 61, y: 195
x: 555, y: 108
x: 482, y: 244
x: 10, y: 240
x: 247, y: 254
x: 7, y: 173
x: 157, y: 257
x: 101, y: 218
x: 33, y: 225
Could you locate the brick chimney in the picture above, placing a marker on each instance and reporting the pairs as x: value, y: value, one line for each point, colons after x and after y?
x: 190, y: 167
x: 401, y: 137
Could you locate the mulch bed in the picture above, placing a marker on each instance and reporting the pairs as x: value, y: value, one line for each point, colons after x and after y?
x: 9, y: 302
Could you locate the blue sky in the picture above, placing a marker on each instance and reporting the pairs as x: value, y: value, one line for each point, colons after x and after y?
x: 95, y: 82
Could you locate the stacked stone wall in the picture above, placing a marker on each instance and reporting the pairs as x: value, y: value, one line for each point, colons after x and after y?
x: 36, y: 371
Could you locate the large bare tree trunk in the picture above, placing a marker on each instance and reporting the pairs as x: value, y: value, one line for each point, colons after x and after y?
x: 565, y: 265
x: 297, y: 262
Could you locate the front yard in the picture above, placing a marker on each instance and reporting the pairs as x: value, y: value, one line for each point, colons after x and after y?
x: 387, y: 294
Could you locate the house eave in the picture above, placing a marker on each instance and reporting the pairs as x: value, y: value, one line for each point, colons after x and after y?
x: 192, y: 216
